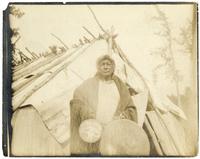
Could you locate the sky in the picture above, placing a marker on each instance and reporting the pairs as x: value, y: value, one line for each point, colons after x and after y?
x: 133, y: 24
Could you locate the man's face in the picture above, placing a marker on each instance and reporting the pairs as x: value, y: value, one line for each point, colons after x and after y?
x: 106, y: 68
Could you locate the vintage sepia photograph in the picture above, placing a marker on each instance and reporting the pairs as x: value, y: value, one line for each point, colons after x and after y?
x: 100, y: 79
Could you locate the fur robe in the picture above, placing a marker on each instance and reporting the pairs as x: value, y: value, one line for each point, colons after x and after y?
x: 84, y: 106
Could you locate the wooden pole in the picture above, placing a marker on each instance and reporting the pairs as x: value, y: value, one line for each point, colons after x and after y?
x: 86, y: 40
x: 89, y: 32
x: 101, y: 27
x: 19, y: 87
x: 66, y: 47
x: 18, y: 102
x: 48, y: 64
x: 32, y: 53
x: 110, y: 43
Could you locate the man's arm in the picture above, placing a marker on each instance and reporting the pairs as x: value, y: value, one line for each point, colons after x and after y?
x: 78, y: 114
x: 128, y: 110
x: 80, y: 104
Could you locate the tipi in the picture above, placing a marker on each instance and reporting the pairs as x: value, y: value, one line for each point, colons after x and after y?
x: 44, y: 88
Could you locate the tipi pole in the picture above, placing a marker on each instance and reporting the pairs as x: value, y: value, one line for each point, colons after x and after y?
x: 89, y: 32
x: 66, y: 47
x: 110, y: 39
x: 110, y: 43
x: 97, y: 21
x: 48, y: 64
x: 42, y: 83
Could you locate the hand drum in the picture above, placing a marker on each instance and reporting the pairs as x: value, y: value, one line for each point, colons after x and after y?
x: 124, y: 138
x: 90, y: 131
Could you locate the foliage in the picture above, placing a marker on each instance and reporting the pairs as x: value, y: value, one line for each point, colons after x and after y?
x: 16, y: 12
x: 15, y: 32
x: 185, y: 39
x: 165, y: 52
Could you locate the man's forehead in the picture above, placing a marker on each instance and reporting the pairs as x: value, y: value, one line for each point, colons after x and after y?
x: 105, y: 60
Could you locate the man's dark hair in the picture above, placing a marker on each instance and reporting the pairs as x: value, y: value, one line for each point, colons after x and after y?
x: 105, y: 57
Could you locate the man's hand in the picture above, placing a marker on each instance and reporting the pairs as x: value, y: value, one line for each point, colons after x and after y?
x: 121, y: 116
x: 86, y: 113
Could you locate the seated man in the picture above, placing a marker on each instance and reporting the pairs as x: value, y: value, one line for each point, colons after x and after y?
x: 104, y: 98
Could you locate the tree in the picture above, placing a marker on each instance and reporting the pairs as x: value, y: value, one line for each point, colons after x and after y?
x: 166, y: 52
x: 16, y: 12
x: 185, y: 39
x: 15, y: 32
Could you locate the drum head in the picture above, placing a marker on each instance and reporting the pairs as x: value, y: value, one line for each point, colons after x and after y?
x: 124, y: 138
x: 90, y: 130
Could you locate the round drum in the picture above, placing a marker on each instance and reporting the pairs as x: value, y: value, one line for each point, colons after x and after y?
x: 90, y: 130
x: 124, y: 138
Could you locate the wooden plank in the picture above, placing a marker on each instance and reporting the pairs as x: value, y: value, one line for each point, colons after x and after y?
x: 174, y: 127
x: 140, y: 100
x: 34, y: 64
x: 16, y: 100
x: 153, y: 137
x: 32, y: 68
x: 21, y: 66
x: 22, y: 84
x: 164, y: 138
x: 31, y: 137
x: 17, y: 84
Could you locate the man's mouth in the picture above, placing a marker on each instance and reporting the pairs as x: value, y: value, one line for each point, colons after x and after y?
x: 106, y: 71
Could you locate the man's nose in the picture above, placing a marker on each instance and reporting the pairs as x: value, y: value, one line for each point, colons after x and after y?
x: 106, y: 66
